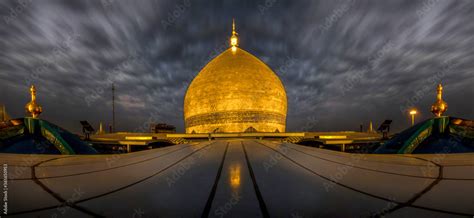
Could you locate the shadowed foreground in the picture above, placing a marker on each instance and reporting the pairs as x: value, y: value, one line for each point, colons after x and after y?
x: 240, y: 178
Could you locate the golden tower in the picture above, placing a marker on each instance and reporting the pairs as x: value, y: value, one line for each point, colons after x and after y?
x: 440, y: 106
x: 32, y: 107
x: 235, y: 92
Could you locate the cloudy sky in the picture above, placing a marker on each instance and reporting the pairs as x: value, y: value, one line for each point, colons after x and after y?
x: 342, y: 63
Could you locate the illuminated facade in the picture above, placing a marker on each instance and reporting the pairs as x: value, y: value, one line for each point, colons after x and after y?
x: 235, y: 92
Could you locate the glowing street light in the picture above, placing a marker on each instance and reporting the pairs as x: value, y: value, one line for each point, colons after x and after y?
x: 413, y: 113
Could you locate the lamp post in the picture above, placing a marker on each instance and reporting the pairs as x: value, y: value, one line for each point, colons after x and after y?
x: 413, y: 113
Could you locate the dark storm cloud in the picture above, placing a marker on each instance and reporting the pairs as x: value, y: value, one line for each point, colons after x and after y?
x: 342, y: 62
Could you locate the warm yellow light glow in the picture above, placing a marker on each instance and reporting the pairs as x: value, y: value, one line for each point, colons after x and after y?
x: 235, y: 92
x: 332, y: 137
x: 235, y: 176
x: 132, y: 142
x: 440, y: 106
x: 32, y: 107
x: 138, y: 137
x: 338, y: 142
x: 233, y: 41
x: 413, y: 113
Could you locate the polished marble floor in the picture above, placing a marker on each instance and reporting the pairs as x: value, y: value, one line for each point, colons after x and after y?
x: 240, y: 178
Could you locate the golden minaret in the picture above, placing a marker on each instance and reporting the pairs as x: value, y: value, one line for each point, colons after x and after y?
x: 440, y: 106
x: 32, y: 107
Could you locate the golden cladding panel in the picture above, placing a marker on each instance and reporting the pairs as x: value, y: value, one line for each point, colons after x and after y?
x: 235, y: 82
x: 236, y: 127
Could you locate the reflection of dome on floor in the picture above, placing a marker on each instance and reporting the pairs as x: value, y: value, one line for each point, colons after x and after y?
x: 235, y: 92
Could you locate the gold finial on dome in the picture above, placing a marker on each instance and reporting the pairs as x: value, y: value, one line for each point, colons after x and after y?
x: 440, y: 106
x: 32, y: 107
x: 220, y: 100
x: 234, y: 41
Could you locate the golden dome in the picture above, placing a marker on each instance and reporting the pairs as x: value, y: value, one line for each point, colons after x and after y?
x: 235, y: 92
